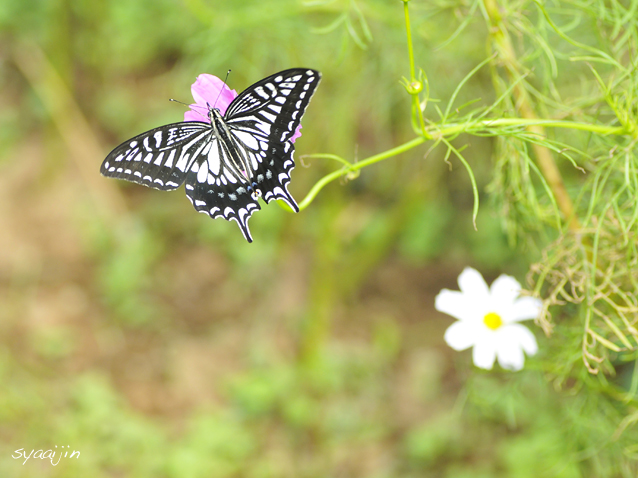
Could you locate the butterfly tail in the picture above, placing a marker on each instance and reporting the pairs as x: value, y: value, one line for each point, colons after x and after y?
x: 228, y: 200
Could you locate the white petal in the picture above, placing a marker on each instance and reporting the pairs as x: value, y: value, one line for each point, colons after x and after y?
x: 472, y: 283
x: 510, y: 355
x: 460, y: 335
x: 512, y: 340
x: 455, y: 304
x: 525, y: 338
x: 505, y: 290
x: 484, y: 352
x: 523, y: 309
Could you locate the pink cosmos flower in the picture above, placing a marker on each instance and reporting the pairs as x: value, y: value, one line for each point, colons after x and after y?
x: 206, y: 91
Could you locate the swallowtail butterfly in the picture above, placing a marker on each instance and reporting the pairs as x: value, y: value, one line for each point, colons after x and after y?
x: 231, y: 161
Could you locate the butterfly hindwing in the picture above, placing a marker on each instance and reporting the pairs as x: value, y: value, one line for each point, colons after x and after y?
x: 159, y: 158
x: 272, y: 170
x: 215, y: 188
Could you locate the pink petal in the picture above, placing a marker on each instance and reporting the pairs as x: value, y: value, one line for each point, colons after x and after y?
x: 296, y: 135
x: 194, y: 114
x: 206, y: 92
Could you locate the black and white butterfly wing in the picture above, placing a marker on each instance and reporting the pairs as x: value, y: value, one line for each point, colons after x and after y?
x: 223, y: 172
x: 161, y: 157
x: 263, y: 119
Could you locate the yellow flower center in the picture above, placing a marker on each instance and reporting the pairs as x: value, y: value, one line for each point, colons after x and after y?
x: 492, y: 320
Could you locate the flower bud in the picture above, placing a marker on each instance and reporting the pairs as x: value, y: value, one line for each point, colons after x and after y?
x: 414, y: 88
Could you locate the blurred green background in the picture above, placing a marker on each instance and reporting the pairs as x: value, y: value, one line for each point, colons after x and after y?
x: 158, y: 343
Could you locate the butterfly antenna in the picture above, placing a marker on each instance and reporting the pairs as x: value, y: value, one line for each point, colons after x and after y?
x: 222, y: 89
x: 190, y: 106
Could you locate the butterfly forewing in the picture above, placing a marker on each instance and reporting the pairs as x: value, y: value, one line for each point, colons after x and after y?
x: 225, y: 174
x: 159, y: 158
x: 263, y: 119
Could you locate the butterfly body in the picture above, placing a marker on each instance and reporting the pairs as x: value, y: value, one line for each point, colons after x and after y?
x: 228, y: 163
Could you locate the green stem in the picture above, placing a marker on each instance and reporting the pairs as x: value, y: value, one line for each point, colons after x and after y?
x: 356, y: 166
x: 412, y: 87
x: 481, y: 125
x: 409, y: 33
x: 450, y: 130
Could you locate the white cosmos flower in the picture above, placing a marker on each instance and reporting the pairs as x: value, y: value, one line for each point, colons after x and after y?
x: 488, y: 320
